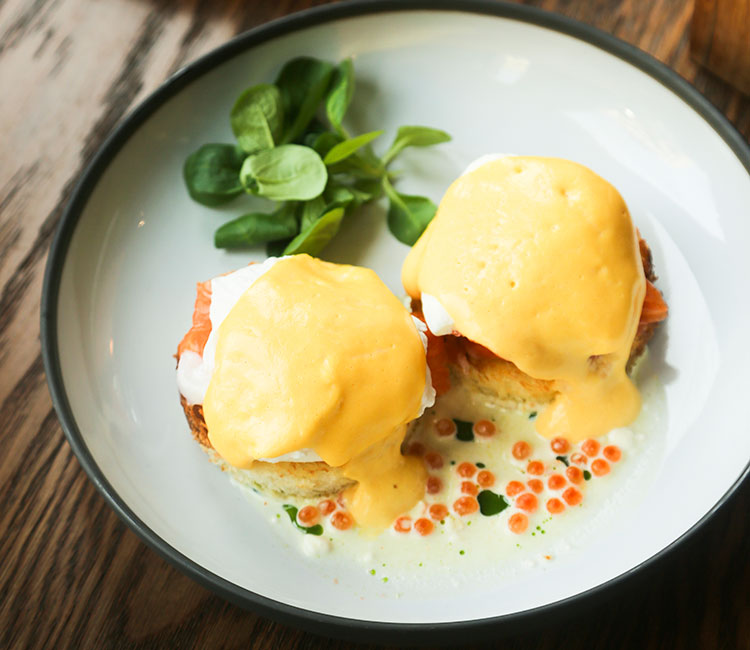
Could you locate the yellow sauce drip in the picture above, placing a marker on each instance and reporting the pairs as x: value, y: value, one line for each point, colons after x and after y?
x: 321, y: 356
x: 388, y: 483
x: 537, y: 260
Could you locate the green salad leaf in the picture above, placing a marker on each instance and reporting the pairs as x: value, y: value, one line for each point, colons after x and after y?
x: 258, y: 228
x: 257, y: 118
x: 303, y: 83
x: 290, y: 172
x: 344, y: 149
x: 340, y: 95
x: 408, y: 215
x: 414, y: 136
x: 317, y: 235
x: 292, y: 148
x: 212, y: 173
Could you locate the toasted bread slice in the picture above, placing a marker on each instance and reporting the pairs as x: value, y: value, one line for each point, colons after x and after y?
x: 302, y: 480
x: 502, y: 383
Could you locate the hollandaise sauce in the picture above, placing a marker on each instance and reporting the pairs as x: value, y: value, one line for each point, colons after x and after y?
x: 537, y: 260
x: 323, y: 357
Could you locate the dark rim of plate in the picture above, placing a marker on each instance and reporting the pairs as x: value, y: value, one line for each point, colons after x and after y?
x: 325, y: 624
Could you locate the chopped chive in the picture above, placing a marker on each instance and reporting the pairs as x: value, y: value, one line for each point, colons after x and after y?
x: 464, y: 430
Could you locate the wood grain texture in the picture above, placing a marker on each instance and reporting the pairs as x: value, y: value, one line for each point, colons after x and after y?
x: 72, y: 575
x: 720, y: 39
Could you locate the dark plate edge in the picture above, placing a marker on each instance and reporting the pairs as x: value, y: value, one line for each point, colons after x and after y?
x: 328, y: 625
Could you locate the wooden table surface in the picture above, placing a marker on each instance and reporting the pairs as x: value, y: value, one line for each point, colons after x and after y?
x: 72, y: 574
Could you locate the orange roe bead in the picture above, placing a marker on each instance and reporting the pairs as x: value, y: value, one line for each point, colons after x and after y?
x: 341, y: 520
x: 600, y: 467
x: 612, y: 453
x: 445, y: 427
x: 535, y: 468
x: 535, y: 485
x: 467, y: 470
x: 484, y: 428
x: 572, y: 496
x: 521, y: 450
x: 527, y: 502
x: 579, y: 459
x: 308, y: 516
x: 555, y: 506
x: 433, y: 459
x: 414, y: 449
x: 518, y: 523
x: 434, y: 485
x: 438, y: 511
x: 424, y: 526
x: 465, y: 505
x: 467, y: 487
x: 575, y: 475
x: 559, y: 445
x: 485, y: 478
x: 513, y: 488
x: 590, y: 447
x: 556, y: 482
x: 326, y: 506
x: 402, y: 524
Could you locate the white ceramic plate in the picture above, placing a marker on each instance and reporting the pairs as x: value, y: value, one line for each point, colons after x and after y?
x: 121, y: 275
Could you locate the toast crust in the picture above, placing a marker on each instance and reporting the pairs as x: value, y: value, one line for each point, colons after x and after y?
x: 303, y: 480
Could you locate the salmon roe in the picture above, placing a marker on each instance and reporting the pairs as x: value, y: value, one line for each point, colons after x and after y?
x: 467, y: 470
x: 438, y: 511
x: 556, y: 482
x: 434, y: 485
x: 518, y: 523
x: 555, y: 506
x: 572, y: 496
x: 433, y: 459
x: 467, y: 487
x: 527, y: 502
x: 612, y: 453
x: 579, y: 459
x: 326, y: 506
x: 341, y: 520
x: 535, y: 468
x: 484, y: 428
x: 308, y: 516
x: 414, y: 449
x: 513, y: 488
x: 590, y: 447
x: 521, y: 450
x: 445, y: 427
x: 559, y: 445
x: 485, y: 478
x: 402, y: 524
x: 466, y: 505
x: 574, y: 474
x: 424, y: 526
x: 535, y: 485
x: 600, y: 467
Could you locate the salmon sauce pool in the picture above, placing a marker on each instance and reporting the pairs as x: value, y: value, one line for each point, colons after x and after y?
x: 499, y: 499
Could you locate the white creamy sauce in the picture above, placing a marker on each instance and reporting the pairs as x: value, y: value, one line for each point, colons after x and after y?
x: 480, y: 549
